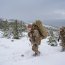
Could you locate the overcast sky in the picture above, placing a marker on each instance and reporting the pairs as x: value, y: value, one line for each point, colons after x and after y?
x: 29, y: 10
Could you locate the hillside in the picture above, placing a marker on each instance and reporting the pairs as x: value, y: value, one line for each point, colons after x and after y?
x: 11, y: 52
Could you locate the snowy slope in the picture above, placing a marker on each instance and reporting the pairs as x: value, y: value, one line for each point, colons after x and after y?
x: 11, y: 51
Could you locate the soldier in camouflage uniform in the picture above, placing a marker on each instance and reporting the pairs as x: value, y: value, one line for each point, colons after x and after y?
x: 62, y: 37
x: 35, y: 39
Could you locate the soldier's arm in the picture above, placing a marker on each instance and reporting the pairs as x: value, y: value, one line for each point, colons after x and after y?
x: 29, y: 34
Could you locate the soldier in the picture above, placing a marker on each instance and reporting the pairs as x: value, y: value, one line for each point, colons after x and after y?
x: 36, y: 34
x: 35, y: 39
x: 62, y: 37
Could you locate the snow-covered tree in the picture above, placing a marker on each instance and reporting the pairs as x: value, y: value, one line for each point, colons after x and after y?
x: 52, y: 39
x: 15, y: 30
x: 5, y: 28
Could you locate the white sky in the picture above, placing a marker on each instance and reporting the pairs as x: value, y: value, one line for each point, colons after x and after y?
x: 29, y: 10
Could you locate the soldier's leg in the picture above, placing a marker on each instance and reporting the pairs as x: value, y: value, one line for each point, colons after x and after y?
x: 62, y: 49
x: 35, y: 49
x: 63, y: 46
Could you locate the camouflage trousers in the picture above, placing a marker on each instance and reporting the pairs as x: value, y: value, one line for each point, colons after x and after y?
x: 35, y: 49
x: 63, y: 43
x: 63, y: 46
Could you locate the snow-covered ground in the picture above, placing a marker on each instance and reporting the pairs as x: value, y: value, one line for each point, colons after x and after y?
x: 18, y: 52
x: 1, y: 34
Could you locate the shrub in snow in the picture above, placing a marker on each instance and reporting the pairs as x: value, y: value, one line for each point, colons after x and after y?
x: 52, y: 39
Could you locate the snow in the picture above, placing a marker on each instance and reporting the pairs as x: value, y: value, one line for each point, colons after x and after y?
x: 1, y: 34
x: 11, y: 51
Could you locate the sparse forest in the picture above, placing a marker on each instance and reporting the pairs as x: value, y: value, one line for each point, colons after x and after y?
x: 14, y: 29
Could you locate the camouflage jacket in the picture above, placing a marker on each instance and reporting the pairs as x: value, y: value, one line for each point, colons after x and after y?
x: 35, y: 37
x: 62, y: 35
